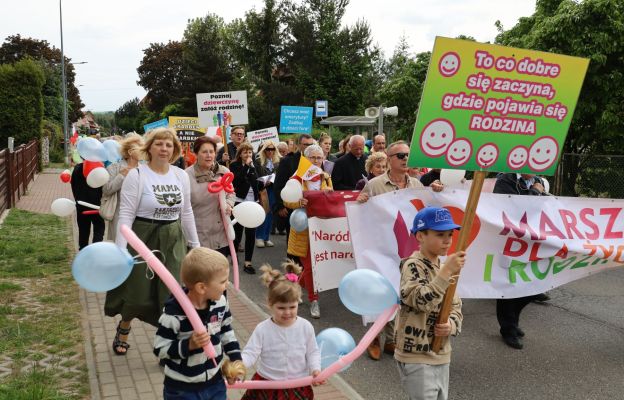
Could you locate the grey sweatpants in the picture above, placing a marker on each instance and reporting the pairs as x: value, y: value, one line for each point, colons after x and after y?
x: 423, y: 381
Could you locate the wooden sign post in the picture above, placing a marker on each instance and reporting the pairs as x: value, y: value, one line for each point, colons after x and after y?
x: 462, y: 244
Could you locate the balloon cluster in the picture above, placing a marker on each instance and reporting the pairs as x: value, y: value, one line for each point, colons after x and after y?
x: 95, y: 154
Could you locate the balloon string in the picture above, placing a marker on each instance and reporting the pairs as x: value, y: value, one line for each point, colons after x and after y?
x: 149, y: 272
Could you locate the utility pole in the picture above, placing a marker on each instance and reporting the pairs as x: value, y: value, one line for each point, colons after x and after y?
x: 65, y: 122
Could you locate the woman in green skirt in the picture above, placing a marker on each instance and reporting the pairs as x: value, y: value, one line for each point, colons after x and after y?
x: 155, y: 201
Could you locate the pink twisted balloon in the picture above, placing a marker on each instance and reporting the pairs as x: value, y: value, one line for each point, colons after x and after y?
x: 221, y: 186
x: 173, y: 285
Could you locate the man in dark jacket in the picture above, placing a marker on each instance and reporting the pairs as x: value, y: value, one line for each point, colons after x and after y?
x: 287, y: 167
x: 508, y: 310
x: 86, y: 193
x: 349, y: 168
x: 237, y: 136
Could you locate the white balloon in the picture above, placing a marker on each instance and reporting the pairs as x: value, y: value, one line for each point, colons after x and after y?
x: 292, y: 192
x: 452, y: 177
x: 63, y: 207
x: 97, y: 177
x: 546, y: 185
x: 230, y: 232
x: 249, y: 214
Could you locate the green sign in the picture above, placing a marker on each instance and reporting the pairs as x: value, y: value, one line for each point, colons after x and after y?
x: 493, y: 108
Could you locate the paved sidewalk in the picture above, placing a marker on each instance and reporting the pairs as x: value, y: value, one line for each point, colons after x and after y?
x: 138, y: 375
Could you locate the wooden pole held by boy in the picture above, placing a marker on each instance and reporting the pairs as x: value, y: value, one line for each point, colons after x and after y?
x: 462, y: 243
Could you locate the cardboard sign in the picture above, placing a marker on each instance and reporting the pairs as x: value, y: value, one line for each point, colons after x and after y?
x: 187, y: 128
x: 222, y: 108
x: 161, y: 123
x: 493, y: 108
x: 296, y: 119
x: 257, y: 137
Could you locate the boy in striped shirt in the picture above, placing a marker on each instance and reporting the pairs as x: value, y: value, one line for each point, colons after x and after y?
x: 189, y: 373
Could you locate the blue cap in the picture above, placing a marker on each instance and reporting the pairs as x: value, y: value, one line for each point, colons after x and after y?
x: 434, y: 218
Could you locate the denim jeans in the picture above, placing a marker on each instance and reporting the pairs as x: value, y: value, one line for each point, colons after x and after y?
x: 211, y: 392
x: 264, y: 230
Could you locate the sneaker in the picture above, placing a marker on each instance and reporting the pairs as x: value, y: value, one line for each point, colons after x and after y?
x: 374, y: 349
x: 542, y: 297
x: 260, y: 243
x: 315, y: 310
x: 268, y: 243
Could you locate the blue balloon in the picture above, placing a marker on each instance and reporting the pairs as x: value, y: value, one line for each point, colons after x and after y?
x: 91, y: 149
x: 334, y: 343
x: 102, y: 266
x: 113, y: 150
x: 366, y: 292
x: 299, y: 220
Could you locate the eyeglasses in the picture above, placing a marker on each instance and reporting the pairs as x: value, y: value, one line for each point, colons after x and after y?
x: 270, y: 149
x: 400, y: 156
x: 238, y: 133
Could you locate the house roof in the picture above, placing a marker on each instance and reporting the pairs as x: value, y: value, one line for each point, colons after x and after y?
x: 354, y: 120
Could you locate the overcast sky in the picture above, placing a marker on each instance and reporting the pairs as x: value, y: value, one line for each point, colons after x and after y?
x: 111, y: 35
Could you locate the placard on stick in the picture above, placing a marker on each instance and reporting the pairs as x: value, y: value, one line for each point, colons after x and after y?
x: 493, y: 108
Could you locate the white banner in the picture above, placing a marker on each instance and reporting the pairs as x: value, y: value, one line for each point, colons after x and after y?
x: 222, y: 108
x: 257, y: 137
x: 331, y: 252
x: 519, y: 245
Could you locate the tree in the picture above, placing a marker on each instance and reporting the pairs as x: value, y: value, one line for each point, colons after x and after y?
x: 593, y: 29
x: 161, y: 74
x: 128, y: 116
x: 16, y: 48
x: 208, y: 65
x: 403, y: 87
x: 327, y: 61
x: 21, y: 101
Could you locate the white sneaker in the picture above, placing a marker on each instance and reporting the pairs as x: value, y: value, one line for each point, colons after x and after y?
x: 268, y: 243
x: 259, y: 243
x: 315, y: 310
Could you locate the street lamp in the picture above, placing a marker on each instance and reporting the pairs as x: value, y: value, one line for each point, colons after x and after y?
x: 65, y: 122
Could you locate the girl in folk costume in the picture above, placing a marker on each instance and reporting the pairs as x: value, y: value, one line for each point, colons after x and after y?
x: 311, y: 178
x: 283, y: 346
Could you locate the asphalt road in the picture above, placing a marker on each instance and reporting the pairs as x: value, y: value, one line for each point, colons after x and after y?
x: 574, y: 345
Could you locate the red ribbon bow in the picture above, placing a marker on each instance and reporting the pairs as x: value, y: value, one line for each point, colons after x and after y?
x: 225, y: 183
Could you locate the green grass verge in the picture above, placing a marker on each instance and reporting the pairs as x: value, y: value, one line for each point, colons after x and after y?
x: 40, y: 309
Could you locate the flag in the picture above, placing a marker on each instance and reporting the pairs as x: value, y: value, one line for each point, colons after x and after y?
x: 306, y: 171
x: 74, y: 136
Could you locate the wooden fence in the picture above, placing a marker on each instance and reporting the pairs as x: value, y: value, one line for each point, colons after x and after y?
x: 17, y: 170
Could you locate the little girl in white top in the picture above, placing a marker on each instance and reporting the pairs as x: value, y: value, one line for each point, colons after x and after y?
x: 283, y: 346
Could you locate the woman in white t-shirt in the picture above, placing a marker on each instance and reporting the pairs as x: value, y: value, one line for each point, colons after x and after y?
x: 155, y: 201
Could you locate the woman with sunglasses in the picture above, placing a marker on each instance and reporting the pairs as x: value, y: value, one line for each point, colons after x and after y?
x: 397, y: 177
x: 268, y: 158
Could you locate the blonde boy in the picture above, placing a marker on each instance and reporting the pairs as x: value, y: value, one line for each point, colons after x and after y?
x: 425, y: 374
x: 188, y: 371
